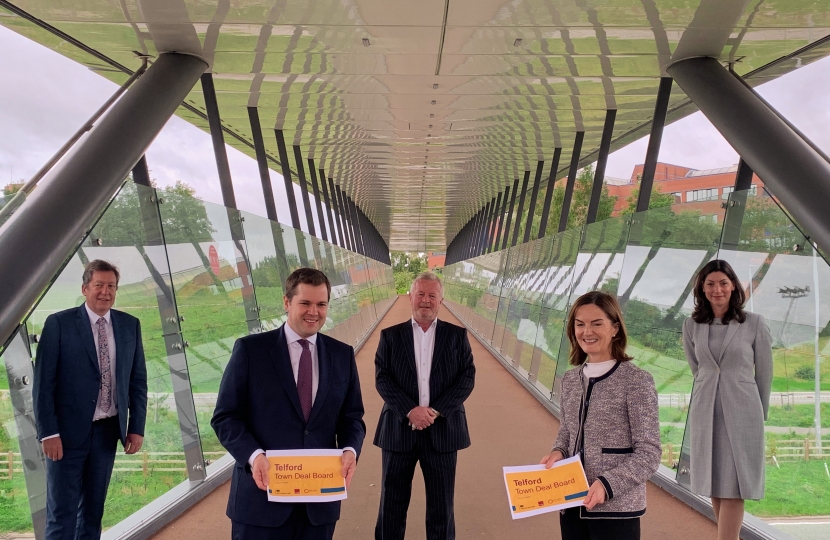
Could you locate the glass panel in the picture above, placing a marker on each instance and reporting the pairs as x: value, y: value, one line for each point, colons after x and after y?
x: 666, y: 247
x: 209, y: 277
x: 269, y: 267
x: 787, y: 283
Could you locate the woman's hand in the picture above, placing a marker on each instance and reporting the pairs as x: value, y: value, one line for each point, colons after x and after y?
x: 596, y: 495
x: 551, y: 458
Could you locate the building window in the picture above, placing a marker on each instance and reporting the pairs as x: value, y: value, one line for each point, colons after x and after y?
x: 726, y: 191
x: 702, y: 195
x: 678, y: 197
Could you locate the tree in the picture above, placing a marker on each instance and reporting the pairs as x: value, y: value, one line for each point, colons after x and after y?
x: 658, y: 199
x: 579, y: 204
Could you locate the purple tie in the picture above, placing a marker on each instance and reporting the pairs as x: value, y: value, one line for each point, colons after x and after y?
x: 304, y: 379
x: 105, y: 397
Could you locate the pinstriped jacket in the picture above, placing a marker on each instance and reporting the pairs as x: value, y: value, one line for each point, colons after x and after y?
x: 451, y: 382
x: 616, y: 429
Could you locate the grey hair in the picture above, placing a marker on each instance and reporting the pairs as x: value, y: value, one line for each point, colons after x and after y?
x: 99, y: 265
x: 426, y: 276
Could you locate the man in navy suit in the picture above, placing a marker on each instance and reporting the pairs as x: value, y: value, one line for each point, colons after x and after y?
x: 290, y: 388
x: 90, y: 392
x: 424, y: 372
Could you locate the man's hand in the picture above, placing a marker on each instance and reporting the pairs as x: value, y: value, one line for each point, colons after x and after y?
x: 133, y: 443
x: 596, y: 495
x: 260, y: 472
x: 53, y: 448
x: 349, y: 462
x: 551, y: 458
x: 421, y: 417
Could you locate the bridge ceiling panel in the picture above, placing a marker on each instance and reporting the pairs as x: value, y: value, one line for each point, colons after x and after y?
x: 424, y: 110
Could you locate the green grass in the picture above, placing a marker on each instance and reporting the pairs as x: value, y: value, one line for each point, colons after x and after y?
x: 798, y: 488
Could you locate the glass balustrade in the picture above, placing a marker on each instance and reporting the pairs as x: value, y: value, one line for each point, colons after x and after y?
x: 198, y: 276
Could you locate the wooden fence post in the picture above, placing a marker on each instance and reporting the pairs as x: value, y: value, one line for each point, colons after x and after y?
x: 806, y: 449
x: 671, y: 454
x: 145, y: 463
x: 11, y: 465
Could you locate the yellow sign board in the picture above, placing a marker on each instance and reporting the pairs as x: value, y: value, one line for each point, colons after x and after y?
x: 534, y: 490
x: 304, y: 476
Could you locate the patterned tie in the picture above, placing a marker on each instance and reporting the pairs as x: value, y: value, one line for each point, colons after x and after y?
x: 105, y: 400
x: 304, y: 379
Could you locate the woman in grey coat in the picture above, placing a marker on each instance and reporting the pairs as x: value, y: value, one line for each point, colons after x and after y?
x: 730, y: 353
x: 610, y: 419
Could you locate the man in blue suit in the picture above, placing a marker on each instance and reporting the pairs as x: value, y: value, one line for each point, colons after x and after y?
x: 288, y: 389
x: 90, y: 392
x: 424, y: 372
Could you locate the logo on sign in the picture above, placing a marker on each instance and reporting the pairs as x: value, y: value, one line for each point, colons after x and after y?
x: 213, y: 257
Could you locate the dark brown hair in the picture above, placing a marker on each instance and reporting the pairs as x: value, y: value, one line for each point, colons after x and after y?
x: 306, y: 276
x: 608, y: 304
x: 99, y: 265
x: 703, y: 312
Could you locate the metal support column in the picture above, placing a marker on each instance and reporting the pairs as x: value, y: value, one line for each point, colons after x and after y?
x: 317, y: 201
x: 329, y: 211
x: 298, y: 159
x: 743, y: 178
x: 531, y: 208
x: 229, y: 198
x: 218, y: 139
x: 494, y: 221
x: 358, y: 234
x: 657, y: 123
x: 554, y: 169
x: 344, y: 217
x: 141, y: 173
x: 286, y: 176
x: 47, y: 228
x: 262, y: 163
x: 510, y: 214
x: 569, y: 187
x: 521, y: 208
x: 485, y: 227
x: 338, y: 215
x: 501, y: 217
x: 602, y: 161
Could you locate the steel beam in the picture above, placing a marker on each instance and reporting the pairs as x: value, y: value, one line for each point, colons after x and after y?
x: 743, y: 178
x: 327, y: 200
x: 262, y: 163
x: 317, y: 202
x: 520, y: 209
x: 141, y: 173
x: 554, y: 169
x: 569, y: 187
x: 789, y: 165
x: 218, y: 139
x: 501, y: 220
x: 298, y: 159
x: 531, y: 207
x: 286, y: 176
x: 338, y: 216
x: 510, y: 214
x: 43, y: 233
x: 653, y: 151
x: 494, y: 223
x: 602, y: 161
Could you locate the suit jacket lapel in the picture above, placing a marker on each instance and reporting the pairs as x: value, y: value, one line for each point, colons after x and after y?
x: 85, y: 330
x: 437, y: 354
x: 282, y: 364
x: 324, y: 362
x: 730, y: 333
x: 409, y: 348
x: 704, y: 341
x: 120, y: 347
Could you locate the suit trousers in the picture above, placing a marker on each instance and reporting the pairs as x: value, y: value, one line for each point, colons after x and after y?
x: 296, y: 527
x: 76, y: 485
x: 575, y: 528
x: 438, y: 469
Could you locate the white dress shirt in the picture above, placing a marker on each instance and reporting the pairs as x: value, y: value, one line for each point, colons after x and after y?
x: 424, y: 347
x: 294, y: 352
x: 93, y: 321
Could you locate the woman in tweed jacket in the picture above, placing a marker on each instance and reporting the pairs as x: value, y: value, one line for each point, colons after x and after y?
x: 730, y: 354
x: 610, y: 419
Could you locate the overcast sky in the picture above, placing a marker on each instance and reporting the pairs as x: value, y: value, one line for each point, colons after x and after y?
x: 45, y: 97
